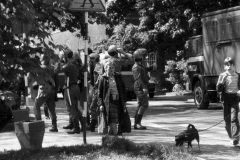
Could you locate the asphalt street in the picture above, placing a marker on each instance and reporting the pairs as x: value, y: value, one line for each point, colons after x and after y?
x: 167, y: 116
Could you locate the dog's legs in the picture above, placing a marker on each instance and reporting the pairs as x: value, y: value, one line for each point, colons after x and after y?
x: 198, y: 142
x: 189, y: 145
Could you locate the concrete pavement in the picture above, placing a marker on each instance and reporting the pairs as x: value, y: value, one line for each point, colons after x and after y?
x: 167, y: 116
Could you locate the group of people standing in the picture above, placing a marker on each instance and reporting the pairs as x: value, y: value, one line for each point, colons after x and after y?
x: 108, y: 93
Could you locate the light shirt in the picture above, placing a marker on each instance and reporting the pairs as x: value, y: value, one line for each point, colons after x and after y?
x: 232, y: 83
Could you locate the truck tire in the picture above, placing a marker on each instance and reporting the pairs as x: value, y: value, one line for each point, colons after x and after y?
x: 199, y: 97
x: 151, y: 95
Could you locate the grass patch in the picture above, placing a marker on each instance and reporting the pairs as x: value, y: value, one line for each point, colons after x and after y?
x: 111, y: 148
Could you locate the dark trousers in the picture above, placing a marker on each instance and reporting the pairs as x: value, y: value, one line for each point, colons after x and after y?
x: 49, y: 98
x: 231, y: 120
x: 72, y: 94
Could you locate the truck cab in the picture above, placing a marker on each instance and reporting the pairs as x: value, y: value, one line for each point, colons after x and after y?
x: 206, y: 53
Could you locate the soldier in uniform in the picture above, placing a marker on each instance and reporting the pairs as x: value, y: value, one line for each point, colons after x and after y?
x: 71, y: 92
x: 117, y: 61
x: 45, y: 86
x: 141, y: 78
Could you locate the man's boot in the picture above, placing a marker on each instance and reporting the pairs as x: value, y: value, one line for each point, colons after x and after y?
x: 137, y: 124
x: 76, y: 128
x: 92, y: 125
x: 54, y: 126
x: 70, y: 125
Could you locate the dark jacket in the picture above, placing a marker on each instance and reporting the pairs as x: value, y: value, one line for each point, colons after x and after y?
x: 102, y: 94
x: 140, y: 75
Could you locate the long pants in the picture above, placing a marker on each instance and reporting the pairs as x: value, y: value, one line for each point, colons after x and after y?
x: 49, y: 98
x: 231, y: 121
x: 72, y: 94
x: 143, y: 103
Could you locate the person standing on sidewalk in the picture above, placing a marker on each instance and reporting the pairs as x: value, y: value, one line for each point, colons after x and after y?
x: 112, y: 98
x: 96, y: 70
x: 228, y: 85
x: 45, y: 86
x: 71, y: 91
x: 141, y: 78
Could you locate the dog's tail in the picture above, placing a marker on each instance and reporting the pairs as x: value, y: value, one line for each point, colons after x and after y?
x: 191, y: 126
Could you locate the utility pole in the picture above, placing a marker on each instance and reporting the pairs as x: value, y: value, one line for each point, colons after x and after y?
x: 85, y: 78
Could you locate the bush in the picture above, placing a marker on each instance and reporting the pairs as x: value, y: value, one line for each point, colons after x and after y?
x: 177, y: 73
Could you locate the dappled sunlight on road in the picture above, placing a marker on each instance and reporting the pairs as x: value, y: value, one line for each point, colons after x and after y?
x: 165, y: 118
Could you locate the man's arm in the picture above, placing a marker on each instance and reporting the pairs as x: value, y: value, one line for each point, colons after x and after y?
x: 126, y: 55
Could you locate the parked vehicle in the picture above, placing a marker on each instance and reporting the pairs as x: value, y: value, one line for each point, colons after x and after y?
x: 206, y: 53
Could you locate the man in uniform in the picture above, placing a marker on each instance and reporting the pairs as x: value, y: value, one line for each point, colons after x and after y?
x: 117, y: 61
x: 71, y: 92
x: 46, y: 92
x: 140, y: 75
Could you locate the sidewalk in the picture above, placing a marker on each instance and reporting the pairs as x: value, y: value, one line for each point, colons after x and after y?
x: 167, y: 116
x: 9, y: 141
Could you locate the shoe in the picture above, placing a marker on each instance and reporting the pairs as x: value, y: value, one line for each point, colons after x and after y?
x: 69, y: 126
x: 139, y: 127
x: 235, y: 142
x: 92, y: 125
x: 74, y: 131
x: 53, y: 130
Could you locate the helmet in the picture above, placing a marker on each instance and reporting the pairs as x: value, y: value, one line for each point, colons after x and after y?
x: 112, y: 50
x: 139, y: 54
x: 94, y: 55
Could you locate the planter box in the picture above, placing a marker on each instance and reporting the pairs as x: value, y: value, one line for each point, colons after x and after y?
x: 30, y: 134
x: 21, y: 115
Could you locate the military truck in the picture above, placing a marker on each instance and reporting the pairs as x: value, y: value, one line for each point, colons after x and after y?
x: 206, y: 53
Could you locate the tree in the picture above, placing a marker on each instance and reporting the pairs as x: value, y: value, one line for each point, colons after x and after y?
x: 165, y: 25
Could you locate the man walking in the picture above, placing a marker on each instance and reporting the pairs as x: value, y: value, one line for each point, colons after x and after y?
x: 228, y: 85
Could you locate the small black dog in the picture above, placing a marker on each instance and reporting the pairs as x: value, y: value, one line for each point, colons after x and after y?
x: 187, y: 136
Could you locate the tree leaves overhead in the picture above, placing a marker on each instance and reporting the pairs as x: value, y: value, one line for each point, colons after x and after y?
x: 36, y: 18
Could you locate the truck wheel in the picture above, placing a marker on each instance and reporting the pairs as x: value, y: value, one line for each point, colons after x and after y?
x: 199, y: 97
x: 151, y: 95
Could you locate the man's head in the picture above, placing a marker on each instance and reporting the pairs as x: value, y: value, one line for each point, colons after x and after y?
x: 109, y: 68
x: 139, y: 54
x: 94, y: 57
x: 228, y: 63
x: 65, y: 55
x: 112, y: 50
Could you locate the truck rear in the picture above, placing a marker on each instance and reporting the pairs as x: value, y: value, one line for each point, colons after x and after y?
x: 206, y: 53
